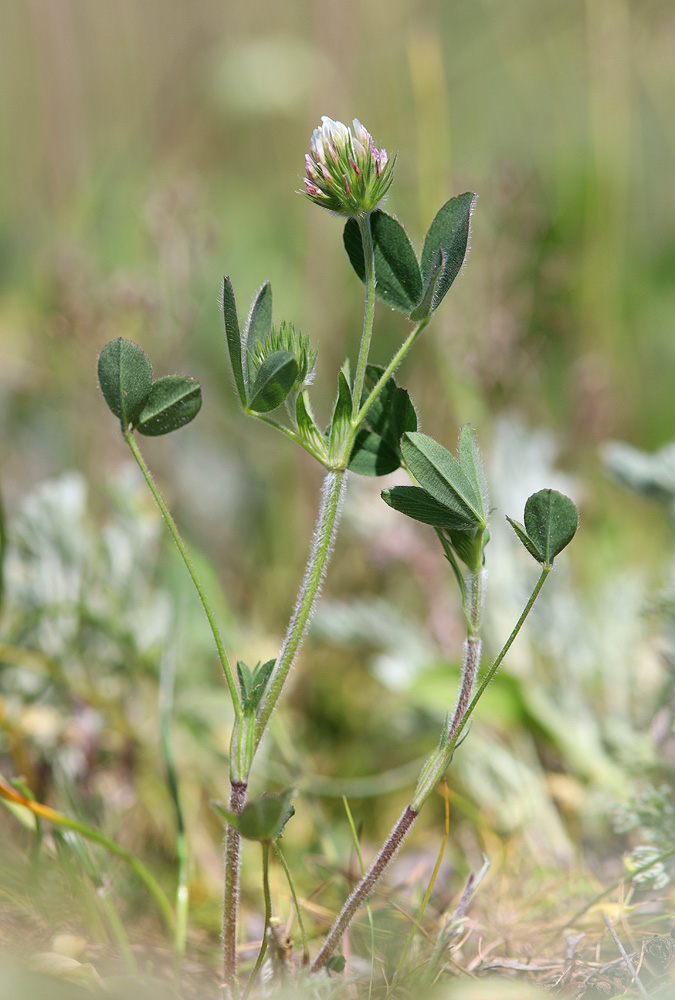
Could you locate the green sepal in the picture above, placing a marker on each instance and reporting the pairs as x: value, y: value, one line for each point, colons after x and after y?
x: 336, y: 963
x: 258, y: 327
x: 416, y: 503
x: 307, y: 428
x: 440, y: 473
x: 340, y: 423
x: 263, y: 818
x: 233, y: 338
x: 125, y: 379
x: 273, y: 382
x: 426, y: 305
x: 397, y: 273
x: 173, y: 402
x: 447, y: 240
x: 377, y: 449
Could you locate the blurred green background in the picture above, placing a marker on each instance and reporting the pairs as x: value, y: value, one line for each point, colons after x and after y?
x: 150, y: 147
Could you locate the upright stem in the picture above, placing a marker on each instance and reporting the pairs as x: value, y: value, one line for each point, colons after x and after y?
x: 437, y: 764
x: 364, y: 888
x: 475, y: 588
x: 180, y: 544
x: 369, y: 310
x: 391, y: 368
x: 231, y: 891
x: 322, y: 545
x: 358, y: 417
x: 502, y: 653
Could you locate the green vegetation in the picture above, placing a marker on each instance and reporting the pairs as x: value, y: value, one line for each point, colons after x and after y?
x: 151, y: 148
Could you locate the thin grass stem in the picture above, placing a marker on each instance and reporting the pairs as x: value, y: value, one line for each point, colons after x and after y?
x: 268, y: 916
x: 89, y: 833
x: 296, y: 903
x: 166, y: 688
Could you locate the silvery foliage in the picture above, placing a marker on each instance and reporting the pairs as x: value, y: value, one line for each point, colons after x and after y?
x: 79, y: 594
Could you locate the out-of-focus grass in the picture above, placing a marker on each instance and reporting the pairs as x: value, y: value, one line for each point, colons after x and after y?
x: 149, y: 148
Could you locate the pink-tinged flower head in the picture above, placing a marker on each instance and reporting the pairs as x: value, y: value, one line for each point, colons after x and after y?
x: 346, y: 173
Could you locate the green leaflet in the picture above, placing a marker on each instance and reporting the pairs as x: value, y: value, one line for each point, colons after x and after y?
x: 447, y: 241
x: 173, y: 402
x: 397, y: 273
x: 440, y: 473
x: 273, y: 382
x: 233, y: 338
x: 125, y: 379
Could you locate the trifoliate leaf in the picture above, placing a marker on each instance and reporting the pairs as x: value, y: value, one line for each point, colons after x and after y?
x: 439, y: 472
x: 551, y: 520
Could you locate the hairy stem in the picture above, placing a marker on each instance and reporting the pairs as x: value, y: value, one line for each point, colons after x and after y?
x: 430, y: 775
x: 231, y: 892
x: 497, y: 663
x: 180, y: 544
x: 365, y: 886
x: 436, y: 766
x: 475, y: 589
x: 322, y: 545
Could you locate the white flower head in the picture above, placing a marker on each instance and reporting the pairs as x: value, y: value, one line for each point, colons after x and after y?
x: 346, y: 173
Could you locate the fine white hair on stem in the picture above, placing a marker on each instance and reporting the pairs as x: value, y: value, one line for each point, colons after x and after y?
x: 323, y: 540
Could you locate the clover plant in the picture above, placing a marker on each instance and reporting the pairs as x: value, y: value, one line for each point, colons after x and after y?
x: 373, y: 430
